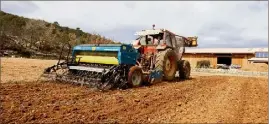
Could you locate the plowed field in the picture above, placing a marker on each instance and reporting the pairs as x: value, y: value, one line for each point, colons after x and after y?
x: 211, y: 99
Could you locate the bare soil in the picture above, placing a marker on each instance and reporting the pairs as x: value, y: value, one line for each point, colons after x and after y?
x: 202, y: 99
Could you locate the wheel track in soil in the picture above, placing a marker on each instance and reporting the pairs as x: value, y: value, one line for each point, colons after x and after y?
x: 158, y: 106
x: 249, y: 95
x: 195, y: 108
x: 255, y: 105
x: 221, y: 96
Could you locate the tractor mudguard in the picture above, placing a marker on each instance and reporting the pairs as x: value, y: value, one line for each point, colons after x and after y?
x: 159, y: 47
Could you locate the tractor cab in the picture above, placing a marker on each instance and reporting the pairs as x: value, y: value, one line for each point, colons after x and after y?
x: 154, y: 37
x: 149, y: 38
x: 162, y: 39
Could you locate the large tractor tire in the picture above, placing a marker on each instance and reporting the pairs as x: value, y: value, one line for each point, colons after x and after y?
x: 166, y: 61
x: 135, y: 76
x: 184, y: 69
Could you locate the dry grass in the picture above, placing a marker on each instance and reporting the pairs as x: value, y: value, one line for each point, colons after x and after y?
x: 20, y: 69
x: 260, y: 67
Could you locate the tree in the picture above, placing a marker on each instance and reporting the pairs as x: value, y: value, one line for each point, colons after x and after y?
x: 56, y: 24
x: 78, y: 32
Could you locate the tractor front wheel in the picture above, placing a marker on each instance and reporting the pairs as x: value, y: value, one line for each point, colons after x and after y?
x: 166, y: 61
x: 135, y: 76
x: 184, y: 69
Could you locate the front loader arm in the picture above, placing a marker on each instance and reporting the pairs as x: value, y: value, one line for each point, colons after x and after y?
x: 189, y: 41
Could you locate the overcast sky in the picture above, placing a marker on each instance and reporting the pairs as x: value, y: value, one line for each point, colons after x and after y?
x: 216, y: 23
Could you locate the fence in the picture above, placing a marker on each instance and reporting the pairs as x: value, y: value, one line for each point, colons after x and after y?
x: 230, y: 71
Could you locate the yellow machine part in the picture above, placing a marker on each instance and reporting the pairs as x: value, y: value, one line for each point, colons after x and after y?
x: 98, y: 59
x: 194, y: 40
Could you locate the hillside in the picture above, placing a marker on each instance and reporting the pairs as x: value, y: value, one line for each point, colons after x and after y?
x: 30, y: 37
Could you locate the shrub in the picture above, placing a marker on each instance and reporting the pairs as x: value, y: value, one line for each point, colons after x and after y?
x: 203, y: 64
x: 47, y: 24
x: 26, y: 54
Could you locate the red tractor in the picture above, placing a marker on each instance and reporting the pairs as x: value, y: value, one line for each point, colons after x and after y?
x: 161, y: 55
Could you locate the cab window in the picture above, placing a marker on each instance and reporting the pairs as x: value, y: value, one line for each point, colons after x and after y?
x: 173, y: 38
x: 168, y: 40
x: 142, y: 40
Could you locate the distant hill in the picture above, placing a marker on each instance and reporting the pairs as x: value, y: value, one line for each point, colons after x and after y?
x: 32, y: 37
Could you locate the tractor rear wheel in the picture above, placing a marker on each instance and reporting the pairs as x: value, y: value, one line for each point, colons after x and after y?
x: 135, y: 76
x: 184, y: 69
x: 166, y: 61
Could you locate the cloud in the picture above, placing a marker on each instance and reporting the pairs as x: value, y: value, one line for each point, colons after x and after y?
x: 216, y: 23
x: 130, y: 4
x: 124, y: 34
x: 18, y: 7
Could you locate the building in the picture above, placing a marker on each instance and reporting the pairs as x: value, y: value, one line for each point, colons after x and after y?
x: 228, y: 56
x: 260, y: 57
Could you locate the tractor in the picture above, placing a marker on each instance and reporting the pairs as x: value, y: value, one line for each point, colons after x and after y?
x: 161, y: 51
x: 154, y: 56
